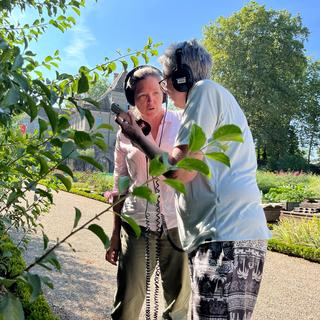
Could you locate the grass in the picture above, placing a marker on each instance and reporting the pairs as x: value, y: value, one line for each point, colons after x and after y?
x: 267, y: 180
x: 96, y: 182
x: 304, y: 232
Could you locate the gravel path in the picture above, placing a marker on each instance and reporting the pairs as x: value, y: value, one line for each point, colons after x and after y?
x: 85, y: 287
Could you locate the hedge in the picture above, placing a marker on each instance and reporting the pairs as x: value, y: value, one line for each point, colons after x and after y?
x: 13, y: 264
x: 308, y: 253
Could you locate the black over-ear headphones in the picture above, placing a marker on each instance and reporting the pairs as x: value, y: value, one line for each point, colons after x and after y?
x: 181, y: 77
x: 129, y: 92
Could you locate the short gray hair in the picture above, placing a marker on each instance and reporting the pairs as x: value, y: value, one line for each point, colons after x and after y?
x: 193, y: 54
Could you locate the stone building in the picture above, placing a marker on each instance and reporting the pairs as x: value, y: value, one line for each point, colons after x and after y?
x: 114, y: 93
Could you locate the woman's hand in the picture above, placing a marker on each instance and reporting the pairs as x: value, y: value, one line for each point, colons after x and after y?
x: 112, y: 253
x: 129, y: 127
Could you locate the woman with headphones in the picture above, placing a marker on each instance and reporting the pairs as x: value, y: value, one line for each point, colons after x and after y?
x: 221, y: 223
x: 138, y: 257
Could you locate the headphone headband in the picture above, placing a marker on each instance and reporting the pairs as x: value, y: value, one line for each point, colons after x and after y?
x: 129, y: 92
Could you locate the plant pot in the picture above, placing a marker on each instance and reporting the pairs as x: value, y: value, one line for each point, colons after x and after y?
x: 272, y: 211
x: 290, y: 205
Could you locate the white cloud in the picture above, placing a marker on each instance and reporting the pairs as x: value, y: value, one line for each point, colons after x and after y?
x: 75, y: 52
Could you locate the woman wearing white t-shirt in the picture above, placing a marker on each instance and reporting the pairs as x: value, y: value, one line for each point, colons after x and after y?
x: 221, y: 223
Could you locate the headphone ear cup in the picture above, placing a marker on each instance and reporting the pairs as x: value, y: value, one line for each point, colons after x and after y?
x: 182, y: 78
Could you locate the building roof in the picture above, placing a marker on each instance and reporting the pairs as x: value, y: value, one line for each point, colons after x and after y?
x: 106, y: 98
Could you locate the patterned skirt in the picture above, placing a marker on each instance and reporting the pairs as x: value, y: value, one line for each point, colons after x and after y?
x: 226, y: 278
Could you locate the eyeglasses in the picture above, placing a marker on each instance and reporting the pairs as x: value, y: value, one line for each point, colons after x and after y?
x: 163, y: 84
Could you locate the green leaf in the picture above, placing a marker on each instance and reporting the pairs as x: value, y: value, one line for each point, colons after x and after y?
x: 3, y: 45
x: 43, y: 126
x: 12, y: 198
x: 45, y: 240
x: 44, y: 88
x: 44, y: 193
x: 52, y: 259
x: 63, y: 123
x: 11, y: 307
x: 49, y: 154
x: 43, y: 165
x: 123, y: 184
x: 194, y: 164
x: 47, y: 282
x: 68, y: 150
x: 83, y: 84
x: 35, y: 284
x: 76, y: 10
x: 92, y: 161
x: 52, y: 116
x: 76, y: 218
x: 101, y: 144
x: 176, y: 184
x: 145, y: 193
x: 89, y: 118
x: 21, y: 80
x: 124, y: 64
x: 82, y: 139
x: 94, y: 102
x: 99, y: 232
x: 24, y: 171
x: 146, y: 58
x: 33, y: 110
x: 135, y: 227
x: 135, y: 61
x: 112, y: 66
x: 229, y: 132
x: 67, y: 183
x: 157, y: 167
x: 105, y: 126
x: 65, y: 169
x: 12, y: 97
x: 220, y: 157
x: 197, y: 138
x: 18, y: 62
x: 7, y: 282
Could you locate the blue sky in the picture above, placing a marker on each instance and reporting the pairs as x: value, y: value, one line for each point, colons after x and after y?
x: 110, y: 25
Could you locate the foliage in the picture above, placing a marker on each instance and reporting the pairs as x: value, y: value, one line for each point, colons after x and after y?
x: 46, y: 105
x: 301, y: 251
x: 12, y: 264
x: 289, y: 162
x: 267, y: 180
x: 99, y: 88
x: 293, y: 193
x: 98, y: 182
x: 310, y: 111
x: 304, y: 232
x: 29, y: 157
x: 258, y: 55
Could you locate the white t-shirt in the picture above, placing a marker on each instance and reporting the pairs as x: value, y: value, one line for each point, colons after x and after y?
x: 130, y: 161
x: 225, y: 207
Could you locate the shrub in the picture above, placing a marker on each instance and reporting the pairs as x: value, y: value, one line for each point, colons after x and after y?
x: 12, y: 264
x: 307, y: 253
x: 296, y: 193
x: 98, y: 182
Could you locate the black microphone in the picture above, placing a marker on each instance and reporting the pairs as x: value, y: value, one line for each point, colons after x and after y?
x: 144, y: 125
